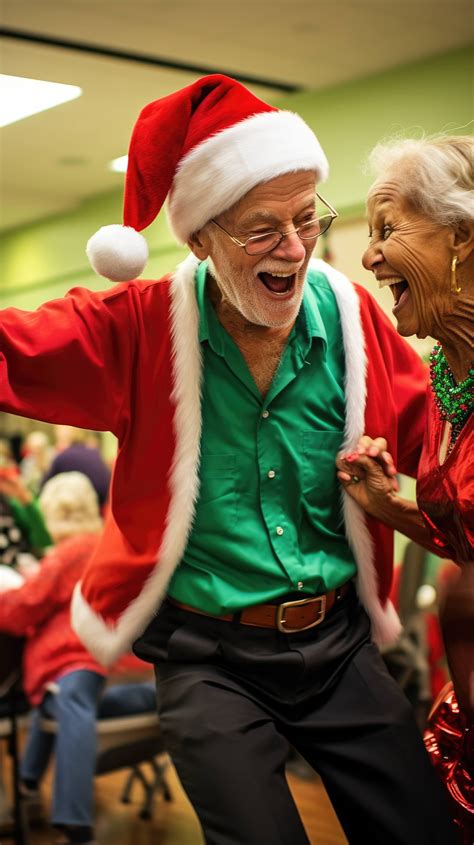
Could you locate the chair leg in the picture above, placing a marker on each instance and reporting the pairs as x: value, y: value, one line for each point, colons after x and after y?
x: 151, y: 786
x: 125, y: 796
x: 160, y: 781
x: 19, y: 815
x: 158, y: 784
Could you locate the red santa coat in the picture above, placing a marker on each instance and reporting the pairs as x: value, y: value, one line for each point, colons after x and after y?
x: 129, y: 360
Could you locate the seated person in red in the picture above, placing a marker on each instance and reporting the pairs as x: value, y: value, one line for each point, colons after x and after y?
x: 61, y: 678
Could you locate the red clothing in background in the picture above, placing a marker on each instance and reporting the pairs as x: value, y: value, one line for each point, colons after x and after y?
x: 40, y: 611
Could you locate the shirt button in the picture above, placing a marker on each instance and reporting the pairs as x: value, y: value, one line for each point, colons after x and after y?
x: 271, y: 473
x: 265, y: 414
x: 300, y: 585
x: 279, y: 530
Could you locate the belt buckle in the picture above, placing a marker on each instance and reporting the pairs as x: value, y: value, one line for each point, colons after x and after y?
x: 282, y: 607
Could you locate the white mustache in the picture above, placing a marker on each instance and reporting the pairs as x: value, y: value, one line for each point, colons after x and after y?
x: 269, y: 266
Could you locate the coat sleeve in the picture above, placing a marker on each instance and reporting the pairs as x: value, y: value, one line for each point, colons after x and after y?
x: 393, y: 365
x: 70, y: 361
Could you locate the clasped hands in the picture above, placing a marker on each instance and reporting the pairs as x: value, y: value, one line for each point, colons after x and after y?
x: 368, y: 474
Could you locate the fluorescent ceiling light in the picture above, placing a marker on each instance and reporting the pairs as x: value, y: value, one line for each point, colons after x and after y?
x: 21, y: 97
x: 119, y: 165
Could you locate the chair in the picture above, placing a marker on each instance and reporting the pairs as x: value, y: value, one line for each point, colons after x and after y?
x: 13, y: 705
x: 130, y: 741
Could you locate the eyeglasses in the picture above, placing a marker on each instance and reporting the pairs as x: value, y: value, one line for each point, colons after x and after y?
x: 267, y: 241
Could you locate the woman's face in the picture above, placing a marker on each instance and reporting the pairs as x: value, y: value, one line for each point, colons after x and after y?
x: 412, y: 255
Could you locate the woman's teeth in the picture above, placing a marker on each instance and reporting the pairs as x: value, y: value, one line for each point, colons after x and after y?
x: 392, y: 280
x: 397, y: 285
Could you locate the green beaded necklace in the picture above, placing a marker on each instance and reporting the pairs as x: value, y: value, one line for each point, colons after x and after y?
x: 455, y: 402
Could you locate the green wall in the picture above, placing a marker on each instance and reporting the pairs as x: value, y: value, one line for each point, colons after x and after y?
x: 43, y: 260
x: 428, y: 97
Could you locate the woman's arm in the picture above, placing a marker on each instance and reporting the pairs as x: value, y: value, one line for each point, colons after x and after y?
x: 375, y: 490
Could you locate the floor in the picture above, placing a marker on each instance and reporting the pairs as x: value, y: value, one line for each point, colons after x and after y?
x: 174, y: 823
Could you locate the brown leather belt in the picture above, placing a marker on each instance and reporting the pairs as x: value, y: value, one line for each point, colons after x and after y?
x: 288, y: 617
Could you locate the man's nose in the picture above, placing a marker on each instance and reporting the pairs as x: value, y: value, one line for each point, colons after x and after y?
x: 290, y: 248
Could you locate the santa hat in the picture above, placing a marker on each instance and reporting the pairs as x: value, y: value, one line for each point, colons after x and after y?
x: 203, y: 148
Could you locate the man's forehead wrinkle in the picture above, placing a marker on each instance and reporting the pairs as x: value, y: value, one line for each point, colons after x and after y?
x: 263, y: 215
x: 257, y: 216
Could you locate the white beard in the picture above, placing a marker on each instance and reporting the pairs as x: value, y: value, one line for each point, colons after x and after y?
x: 244, y: 291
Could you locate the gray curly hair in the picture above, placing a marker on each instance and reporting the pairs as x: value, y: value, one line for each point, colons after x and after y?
x: 70, y: 506
x: 435, y: 174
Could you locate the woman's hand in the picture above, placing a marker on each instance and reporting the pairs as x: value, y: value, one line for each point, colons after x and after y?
x: 369, y: 474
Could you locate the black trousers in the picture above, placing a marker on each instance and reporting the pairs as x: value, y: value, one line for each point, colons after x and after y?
x: 231, y: 697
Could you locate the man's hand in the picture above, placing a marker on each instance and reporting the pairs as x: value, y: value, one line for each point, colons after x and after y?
x: 369, y: 474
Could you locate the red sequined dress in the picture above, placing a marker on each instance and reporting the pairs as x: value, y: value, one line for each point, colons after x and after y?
x: 445, y: 495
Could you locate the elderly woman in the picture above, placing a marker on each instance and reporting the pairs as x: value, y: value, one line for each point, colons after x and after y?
x: 421, y: 224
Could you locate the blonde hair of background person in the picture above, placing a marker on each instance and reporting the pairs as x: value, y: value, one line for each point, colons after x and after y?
x: 70, y: 506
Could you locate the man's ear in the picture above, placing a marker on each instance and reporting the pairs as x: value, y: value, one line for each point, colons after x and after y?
x: 463, y: 239
x: 198, y: 243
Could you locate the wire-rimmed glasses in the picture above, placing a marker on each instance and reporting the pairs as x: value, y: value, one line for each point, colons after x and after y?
x: 267, y: 241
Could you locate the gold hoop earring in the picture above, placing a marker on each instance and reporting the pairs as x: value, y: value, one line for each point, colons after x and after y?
x: 454, y: 282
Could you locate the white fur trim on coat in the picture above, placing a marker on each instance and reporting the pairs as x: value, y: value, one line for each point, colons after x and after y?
x: 104, y: 641
x: 219, y: 171
x: 385, y: 622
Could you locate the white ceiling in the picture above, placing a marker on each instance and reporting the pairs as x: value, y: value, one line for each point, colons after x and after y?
x: 51, y: 161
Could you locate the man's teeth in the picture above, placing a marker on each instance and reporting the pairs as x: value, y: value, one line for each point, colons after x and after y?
x: 393, y: 280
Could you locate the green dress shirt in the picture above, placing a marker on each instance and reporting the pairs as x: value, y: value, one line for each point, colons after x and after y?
x: 268, y: 517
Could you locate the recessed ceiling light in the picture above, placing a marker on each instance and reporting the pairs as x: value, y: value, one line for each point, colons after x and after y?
x: 119, y: 165
x: 22, y: 97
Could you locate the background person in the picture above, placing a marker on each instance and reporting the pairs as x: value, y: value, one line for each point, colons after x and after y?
x: 231, y: 386
x: 76, y: 453
x: 23, y: 534
x: 37, y: 454
x: 60, y: 677
x: 421, y: 222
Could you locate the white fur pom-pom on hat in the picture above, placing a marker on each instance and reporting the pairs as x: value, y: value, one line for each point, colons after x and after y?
x: 117, y: 252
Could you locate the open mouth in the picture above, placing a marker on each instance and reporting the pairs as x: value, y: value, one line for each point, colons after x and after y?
x: 278, y: 284
x: 399, y: 287
x: 400, y: 292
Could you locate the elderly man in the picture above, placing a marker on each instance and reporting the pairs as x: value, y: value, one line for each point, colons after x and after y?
x: 231, y: 386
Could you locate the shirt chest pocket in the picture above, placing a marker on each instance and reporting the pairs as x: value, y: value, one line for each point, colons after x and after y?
x: 319, y: 481
x: 217, y: 503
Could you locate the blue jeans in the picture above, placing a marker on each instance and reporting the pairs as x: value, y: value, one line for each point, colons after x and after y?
x: 75, y: 707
